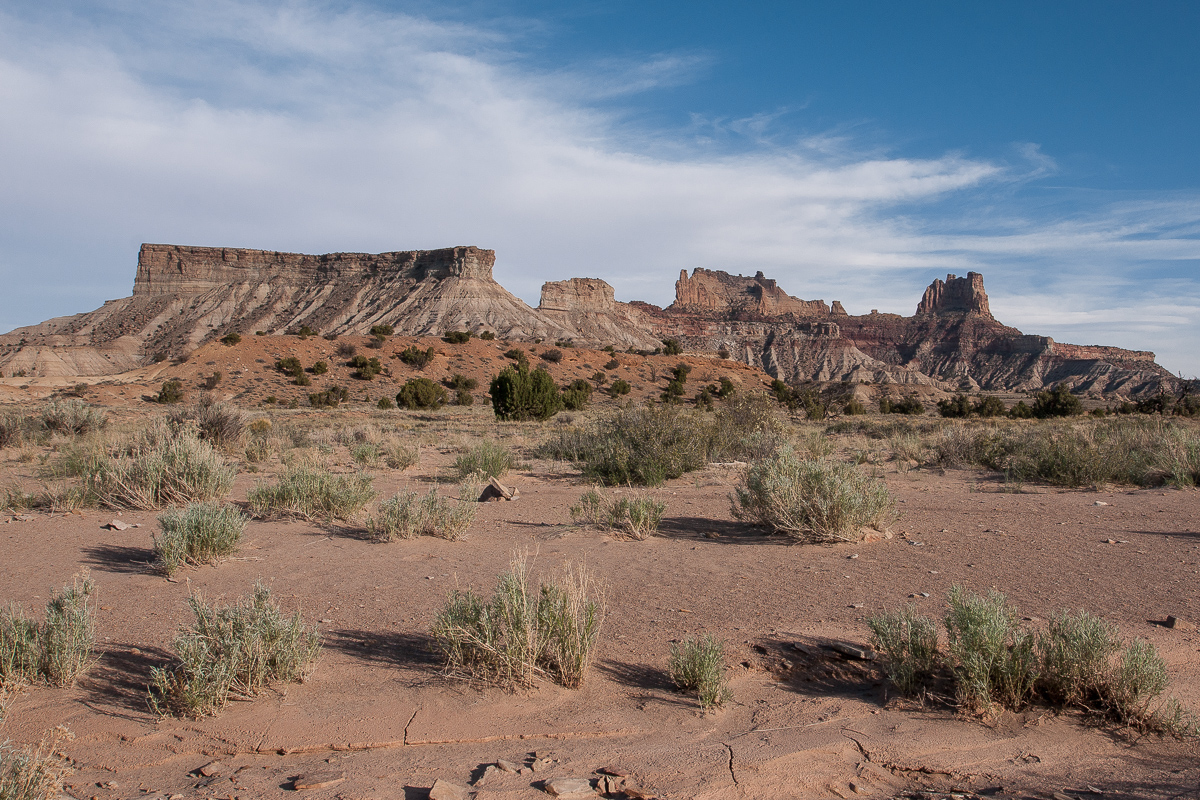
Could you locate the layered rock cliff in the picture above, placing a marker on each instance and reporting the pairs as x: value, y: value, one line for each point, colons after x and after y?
x: 185, y: 296
x: 952, y: 341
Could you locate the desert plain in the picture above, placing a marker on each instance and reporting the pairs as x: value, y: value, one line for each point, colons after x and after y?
x: 380, y: 717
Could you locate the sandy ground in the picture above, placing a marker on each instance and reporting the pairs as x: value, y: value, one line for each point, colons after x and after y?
x: 379, y: 713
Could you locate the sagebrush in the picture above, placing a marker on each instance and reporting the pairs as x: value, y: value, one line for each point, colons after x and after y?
x: 233, y: 652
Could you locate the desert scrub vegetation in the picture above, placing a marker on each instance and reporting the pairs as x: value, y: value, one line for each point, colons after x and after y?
x: 520, y: 395
x: 407, y: 515
x: 698, y: 665
x: 649, y: 445
x: 200, y: 533
x: 34, y: 773
x: 310, y: 492
x: 523, y: 631
x: 160, y: 465
x: 991, y: 661
x: 1143, y: 451
x: 419, y: 393
x: 488, y: 458
x: 811, y: 499
x: 636, y: 517
x: 222, y: 424
x: 233, y: 652
x: 71, y: 417
x: 59, y: 649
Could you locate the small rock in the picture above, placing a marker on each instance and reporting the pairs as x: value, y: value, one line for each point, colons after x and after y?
x: 107, y: 785
x: 444, y: 790
x: 488, y: 772
x: 857, y: 788
x: 570, y: 788
x: 856, y: 605
x: 609, y: 784
x: 1110, y: 541
x: 857, y: 652
x: 541, y: 764
x: 117, y: 525
x: 321, y: 780
x: 508, y: 766
x: 614, y: 771
x: 214, y: 769
x: 1101, y: 503
x: 1179, y: 624
x: 853, y: 556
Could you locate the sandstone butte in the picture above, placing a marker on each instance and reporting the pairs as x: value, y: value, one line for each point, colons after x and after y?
x: 186, y: 296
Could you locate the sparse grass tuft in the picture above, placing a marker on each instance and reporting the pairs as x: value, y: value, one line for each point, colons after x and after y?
x: 58, y: 650
x: 811, y: 500
x: 309, y: 492
x: 233, y: 652
x: 407, y: 515
x: 523, y: 631
x: 201, y: 533
x: 160, y: 466
x: 72, y: 417
x: 698, y: 665
x: 909, y: 643
x: 491, y: 459
x: 34, y: 773
x: 638, y: 517
x: 1077, y: 660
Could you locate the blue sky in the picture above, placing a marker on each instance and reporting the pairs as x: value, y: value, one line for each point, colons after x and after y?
x: 852, y: 150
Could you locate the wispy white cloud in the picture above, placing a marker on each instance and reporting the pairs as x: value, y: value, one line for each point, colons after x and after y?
x: 297, y: 126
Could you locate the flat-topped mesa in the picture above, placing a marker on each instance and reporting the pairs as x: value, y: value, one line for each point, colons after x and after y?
x: 577, y: 294
x: 177, y: 269
x: 718, y: 292
x: 956, y: 296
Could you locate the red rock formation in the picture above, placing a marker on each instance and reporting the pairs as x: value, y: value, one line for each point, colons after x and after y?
x: 184, y: 296
x: 956, y: 296
x: 721, y: 294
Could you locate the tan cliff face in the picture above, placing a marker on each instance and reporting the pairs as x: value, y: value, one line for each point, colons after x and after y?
x: 186, y: 296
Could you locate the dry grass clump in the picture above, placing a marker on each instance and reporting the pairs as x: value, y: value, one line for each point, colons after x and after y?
x: 649, y: 445
x: 991, y: 661
x: 72, y: 417
x: 201, y: 533
x: 698, y: 665
x: 160, y: 466
x: 488, y: 458
x: 523, y: 631
x: 34, y: 773
x: 58, y: 650
x: 311, y: 492
x: 637, y: 517
x: 1139, y: 451
x: 222, y: 424
x: 811, y: 500
x: 407, y: 515
x: 233, y: 652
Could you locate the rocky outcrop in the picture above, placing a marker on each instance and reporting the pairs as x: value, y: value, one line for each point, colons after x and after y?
x: 712, y: 292
x: 186, y: 296
x: 956, y: 296
x: 589, y: 307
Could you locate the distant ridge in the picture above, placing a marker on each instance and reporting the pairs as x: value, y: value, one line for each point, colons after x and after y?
x: 186, y: 296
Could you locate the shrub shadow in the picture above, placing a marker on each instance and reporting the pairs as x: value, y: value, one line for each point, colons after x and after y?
x: 717, y: 531
x: 121, y: 676
x: 655, y: 683
x: 120, y: 559
x: 811, y: 665
x: 410, y: 650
